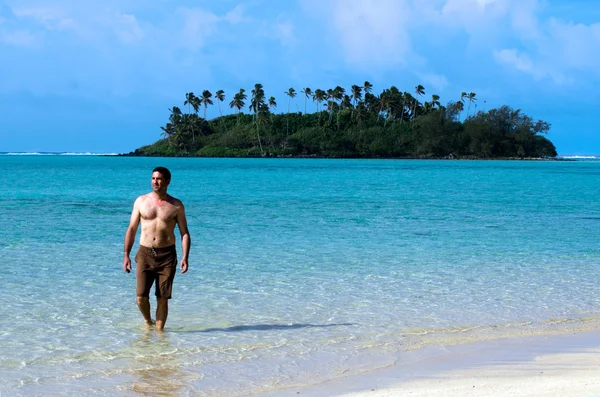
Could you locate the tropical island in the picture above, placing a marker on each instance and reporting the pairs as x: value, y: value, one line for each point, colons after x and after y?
x: 350, y: 124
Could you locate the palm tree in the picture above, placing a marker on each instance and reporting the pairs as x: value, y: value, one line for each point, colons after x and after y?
x: 291, y: 93
x: 272, y: 103
x: 206, y: 100
x: 471, y: 98
x: 384, y: 103
x: 257, y: 104
x: 346, y: 102
x: 367, y: 87
x: 307, y: 93
x: 409, y: 100
x: 174, y: 120
x: 189, y: 100
x: 196, y: 104
x: 435, y: 101
x: 262, y: 117
x: 238, y: 102
x: 356, y: 93
x: 460, y: 105
x: 463, y: 95
x: 187, y: 121
x: 404, y: 97
x: 330, y: 102
x: 319, y: 96
x: 220, y: 95
x: 258, y: 98
x: 419, y: 90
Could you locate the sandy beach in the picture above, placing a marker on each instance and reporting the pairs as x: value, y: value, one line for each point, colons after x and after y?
x: 555, y: 365
x: 570, y: 374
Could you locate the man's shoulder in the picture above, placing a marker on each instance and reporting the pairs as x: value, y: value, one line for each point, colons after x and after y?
x: 175, y: 201
x: 144, y: 197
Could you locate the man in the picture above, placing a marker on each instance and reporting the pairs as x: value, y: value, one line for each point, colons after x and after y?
x: 156, y: 259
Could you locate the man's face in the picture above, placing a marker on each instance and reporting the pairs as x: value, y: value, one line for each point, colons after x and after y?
x: 159, y: 183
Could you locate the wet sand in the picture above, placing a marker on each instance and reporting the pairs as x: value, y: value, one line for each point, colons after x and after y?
x: 553, y: 365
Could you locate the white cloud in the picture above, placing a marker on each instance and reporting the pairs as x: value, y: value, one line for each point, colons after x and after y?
x: 562, y: 52
x: 374, y: 30
x: 198, y: 25
x: 369, y: 32
x: 236, y: 15
x: 512, y: 57
x: 51, y: 18
x: 436, y: 81
x: 18, y: 38
x: 127, y: 28
x: 285, y: 33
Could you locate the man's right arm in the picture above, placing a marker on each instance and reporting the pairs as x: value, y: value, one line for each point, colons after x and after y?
x: 134, y: 221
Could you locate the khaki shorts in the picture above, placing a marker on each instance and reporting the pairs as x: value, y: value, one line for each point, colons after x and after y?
x: 158, y: 264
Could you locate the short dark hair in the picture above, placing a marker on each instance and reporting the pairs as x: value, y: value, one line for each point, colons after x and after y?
x: 165, y: 172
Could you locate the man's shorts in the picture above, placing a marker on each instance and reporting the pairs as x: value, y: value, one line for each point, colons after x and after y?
x: 158, y: 264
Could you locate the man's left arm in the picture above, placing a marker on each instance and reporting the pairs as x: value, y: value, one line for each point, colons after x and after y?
x: 185, y: 237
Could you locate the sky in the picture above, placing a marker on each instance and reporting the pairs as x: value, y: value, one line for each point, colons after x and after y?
x: 100, y: 76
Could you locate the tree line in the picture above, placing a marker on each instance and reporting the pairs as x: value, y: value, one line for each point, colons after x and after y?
x: 353, y: 123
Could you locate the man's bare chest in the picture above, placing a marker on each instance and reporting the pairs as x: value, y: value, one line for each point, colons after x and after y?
x: 163, y: 211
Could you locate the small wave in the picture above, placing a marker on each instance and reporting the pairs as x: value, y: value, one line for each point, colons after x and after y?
x: 580, y: 157
x: 88, y: 154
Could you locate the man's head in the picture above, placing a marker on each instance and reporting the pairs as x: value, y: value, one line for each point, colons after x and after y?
x: 161, y: 177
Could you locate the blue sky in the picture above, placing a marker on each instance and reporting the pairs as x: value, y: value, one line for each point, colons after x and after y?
x: 101, y: 76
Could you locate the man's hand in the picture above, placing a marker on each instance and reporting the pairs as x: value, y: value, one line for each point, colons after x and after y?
x: 184, y: 265
x: 127, y: 265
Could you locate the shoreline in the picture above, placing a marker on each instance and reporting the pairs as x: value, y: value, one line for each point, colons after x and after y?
x: 558, y: 364
x: 136, y: 153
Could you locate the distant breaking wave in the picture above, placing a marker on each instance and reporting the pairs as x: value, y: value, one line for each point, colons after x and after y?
x: 580, y: 157
x: 56, y: 154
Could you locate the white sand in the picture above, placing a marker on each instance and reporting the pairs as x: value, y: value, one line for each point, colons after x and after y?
x: 569, y: 374
x: 547, y: 365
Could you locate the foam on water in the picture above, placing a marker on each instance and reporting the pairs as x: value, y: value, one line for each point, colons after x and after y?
x: 301, y: 270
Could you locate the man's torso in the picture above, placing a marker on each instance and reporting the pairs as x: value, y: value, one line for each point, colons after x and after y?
x: 158, y: 219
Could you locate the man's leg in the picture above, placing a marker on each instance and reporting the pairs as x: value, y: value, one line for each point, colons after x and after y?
x: 144, y: 278
x: 144, y: 305
x: 162, y: 311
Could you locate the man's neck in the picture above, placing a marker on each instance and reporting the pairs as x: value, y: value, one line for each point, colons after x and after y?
x: 160, y: 195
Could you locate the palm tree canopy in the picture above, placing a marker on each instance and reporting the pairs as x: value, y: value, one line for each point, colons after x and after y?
x: 189, y: 99
x: 356, y: 93
x: 291, y: 93
x: 420, y: 90
x: 272, y: 102
x: 206, y: 98
x: 196, y: 102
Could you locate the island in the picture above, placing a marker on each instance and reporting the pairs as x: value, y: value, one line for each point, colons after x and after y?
x: 350, y: 124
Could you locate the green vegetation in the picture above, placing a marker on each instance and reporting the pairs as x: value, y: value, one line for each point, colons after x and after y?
x: 356, y: 124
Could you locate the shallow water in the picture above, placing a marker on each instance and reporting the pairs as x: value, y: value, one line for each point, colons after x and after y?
x: 301, y: 270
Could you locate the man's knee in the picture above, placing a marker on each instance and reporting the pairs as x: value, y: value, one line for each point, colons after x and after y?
x: 141, y: 300
x: 162, y: 301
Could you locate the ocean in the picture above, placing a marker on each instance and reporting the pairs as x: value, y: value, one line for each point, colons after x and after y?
x: 301, y: 270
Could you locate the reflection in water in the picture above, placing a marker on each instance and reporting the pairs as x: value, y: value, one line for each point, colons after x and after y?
x: 157, y: 369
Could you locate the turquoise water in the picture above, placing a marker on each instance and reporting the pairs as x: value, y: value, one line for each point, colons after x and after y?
x: 301, y: 270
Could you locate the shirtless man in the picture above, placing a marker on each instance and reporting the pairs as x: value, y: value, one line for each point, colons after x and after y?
x: 156, y: 259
